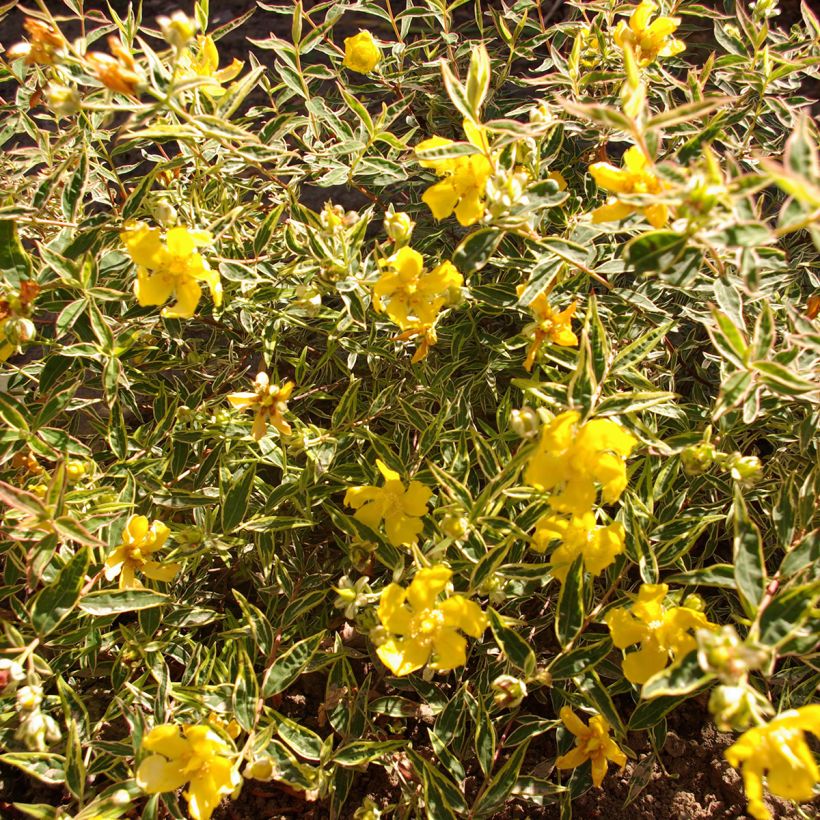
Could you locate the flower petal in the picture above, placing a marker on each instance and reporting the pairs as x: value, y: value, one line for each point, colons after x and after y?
x: 451, y: 650
x: 403, y: 655
x: 427, y: 585
x: 464, y: 615
x: 156, y: 774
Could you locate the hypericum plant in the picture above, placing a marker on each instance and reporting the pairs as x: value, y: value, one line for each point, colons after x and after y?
x: 600, y: 234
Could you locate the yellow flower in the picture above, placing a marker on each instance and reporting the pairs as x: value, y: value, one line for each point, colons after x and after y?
x: 649, y: 40
x: 400, y: 508
x: 172, y: 268
x: 573, y: 459
x: 548, y: 324
x: 779, y: 753
x: 579, y: 535
x: 198, y: 756
x: 592, y: 743
x: 44, y: 47
x: 178, y: 29
x: 269, y: 402
x: 414, y: 296
x: 118, y: 72
x: 421, y: 626
x: 140, y: 540
x: 663, y: 632
x: 361, y: 53
x: 204, y: 63
x: 465, y: 178
x: 636, y: 177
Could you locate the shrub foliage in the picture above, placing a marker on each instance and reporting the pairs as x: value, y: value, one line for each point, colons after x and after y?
x: 454, y: 379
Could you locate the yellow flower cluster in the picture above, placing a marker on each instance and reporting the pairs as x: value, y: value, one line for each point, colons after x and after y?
x: 204, y: 64
x: 649, y: 39
x: 464, y: 178
x: 170, y: 268
x: 422, y: 627
x: 570, y: 462
x: 269, y: 403
x: 140, y: 540
x: 635, y: 178
x: 663, y: 632
x: 400, y: 508
x: 44, y: 47
x: 117, y: 70
x: 549, y: 325
x: 778, y: 753
x: 592, y: 743
x: 413, y: 297
x: 196, y: 755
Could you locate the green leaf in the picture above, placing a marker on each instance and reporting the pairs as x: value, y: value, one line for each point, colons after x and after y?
x: 303, y: 741
x: 750, y: 567
x: 540, y: 276
x: 569, y: 615
x: 475, y: 250
x: 73, y: 191
x: 45, y: 767
x: 442, y: 798
x: 517, y: 651
x: 601, y: 115
x: 579, y: 660
x: 245, y: 692
x: 570, y: 252
x: 681, y: 678
x: 650, y: 713
x: 784, y: 381
x: 485, y: 739
x: 635, y: 352
x: 655, y: 250
x: 493, y: 796
x: 115, y: 601
x: 290, y: 664
x: 14, y: 261
x: 716, y: 575
x: 236, y: 492
x: 686, y: 113
x: 53, y: 604
x: 787, y: 613
x: 359, y: 752
x: 456, y: 92
x: 727, y: 339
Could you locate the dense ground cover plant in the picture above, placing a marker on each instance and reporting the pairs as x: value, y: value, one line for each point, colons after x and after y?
x: 465, y: 364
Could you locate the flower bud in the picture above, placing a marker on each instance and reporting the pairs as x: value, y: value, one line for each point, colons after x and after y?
x: 262, y: 768
x: 508, y: 692
x: 734, y: 708
x: 178, y: 29
x: 75, y: 470
x: 540, y: 114
x: 165, y: 213
x: 63, y: 101
x: 332, y: 217
x: 11, y: 673
x: 18, y: 330
x: 29, y: 698
x: 525, y: 422
x: 744, y: 469
x: 398, y: 226
x: 308, y: 299
x: 455, y: 527
x: 698, y: 458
